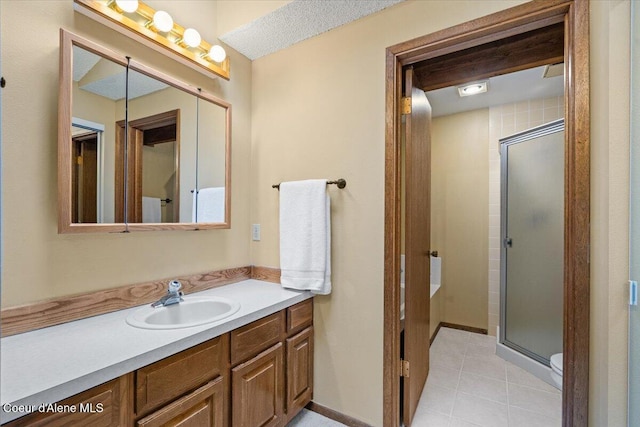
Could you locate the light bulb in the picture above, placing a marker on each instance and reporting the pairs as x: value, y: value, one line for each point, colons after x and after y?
x: 191, y: 37
x: 128, y: 6
x: 162, y: 21
x: 217, y: 53
x: 472, y: 90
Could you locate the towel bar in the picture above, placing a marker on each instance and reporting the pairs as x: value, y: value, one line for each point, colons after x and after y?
x: 341, y: 183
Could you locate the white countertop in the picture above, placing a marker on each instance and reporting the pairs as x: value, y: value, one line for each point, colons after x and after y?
x: 51, y: 364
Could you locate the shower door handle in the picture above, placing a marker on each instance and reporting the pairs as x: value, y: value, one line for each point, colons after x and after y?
x: 508, y: 243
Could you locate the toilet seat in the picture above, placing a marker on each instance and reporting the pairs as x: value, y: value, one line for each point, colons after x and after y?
x: 556, y: 363
x: 556, y: 369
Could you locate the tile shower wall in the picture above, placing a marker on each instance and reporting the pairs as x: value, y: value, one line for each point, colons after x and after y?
x: 505, y: 120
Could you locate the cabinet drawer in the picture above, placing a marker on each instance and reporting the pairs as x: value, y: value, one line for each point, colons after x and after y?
x: 299, y: 316
x: 257, y: 390
x: 170, y: 378
x: 102, y: 406
x: 255, y: 337
x: 203, y: 408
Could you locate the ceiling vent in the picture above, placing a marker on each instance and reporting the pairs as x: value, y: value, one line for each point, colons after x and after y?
x: 553, y: 70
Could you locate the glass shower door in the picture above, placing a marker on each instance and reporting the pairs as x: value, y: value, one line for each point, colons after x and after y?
x: 533, y: 241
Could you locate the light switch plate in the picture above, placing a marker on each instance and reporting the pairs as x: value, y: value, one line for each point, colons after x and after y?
x: 255, y: 232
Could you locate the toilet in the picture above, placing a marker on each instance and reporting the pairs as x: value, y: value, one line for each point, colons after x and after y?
x: 556, y: 369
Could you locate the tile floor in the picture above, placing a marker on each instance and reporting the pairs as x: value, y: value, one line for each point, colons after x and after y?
x: 468, y: 385
x: 306, y: 418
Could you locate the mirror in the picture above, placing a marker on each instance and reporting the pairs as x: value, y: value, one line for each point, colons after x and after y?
x: 97, y: 93
x: 137, y: 149
x: 209, y: 203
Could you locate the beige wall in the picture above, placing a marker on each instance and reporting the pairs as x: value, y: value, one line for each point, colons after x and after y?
x: 460, y: 214
x: 610, y: 29
x: 100, y: 110
x: 38, y: 263
x: 159, y: 175
x: 318, y: 111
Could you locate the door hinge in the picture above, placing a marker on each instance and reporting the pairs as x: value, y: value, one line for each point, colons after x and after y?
x: 406, y: 105
x: 404, y: 368
x: 79, y: 160
x: 633, y: 293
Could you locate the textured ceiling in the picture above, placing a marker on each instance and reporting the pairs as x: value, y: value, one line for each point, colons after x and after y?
x: 297, y: 21
x: 112, y: 84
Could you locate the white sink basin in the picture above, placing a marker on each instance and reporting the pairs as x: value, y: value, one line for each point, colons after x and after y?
x: 193, y: 311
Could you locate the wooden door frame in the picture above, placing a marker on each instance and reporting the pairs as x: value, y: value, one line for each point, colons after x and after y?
x: 513, y: 21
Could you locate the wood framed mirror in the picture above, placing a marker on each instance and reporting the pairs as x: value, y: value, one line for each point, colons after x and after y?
x: 137, y: 149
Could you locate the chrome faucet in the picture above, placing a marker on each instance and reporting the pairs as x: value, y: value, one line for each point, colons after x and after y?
x: 173, y: 296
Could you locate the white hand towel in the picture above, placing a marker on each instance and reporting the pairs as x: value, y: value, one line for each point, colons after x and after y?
x: 210, y: 205
x: 305, y: 236
x: 151, y: 210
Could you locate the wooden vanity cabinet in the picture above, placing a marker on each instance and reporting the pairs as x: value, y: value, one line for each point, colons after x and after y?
x: 259, y: 375
x: 274, y: 378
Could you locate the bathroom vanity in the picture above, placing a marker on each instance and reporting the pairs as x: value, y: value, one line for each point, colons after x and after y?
x: 256, y: 373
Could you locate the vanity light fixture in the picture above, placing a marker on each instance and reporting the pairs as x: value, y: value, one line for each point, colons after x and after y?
x: 158, y: 30
x: 472, y: 88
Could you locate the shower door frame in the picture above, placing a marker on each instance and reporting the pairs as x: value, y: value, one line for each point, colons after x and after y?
x: 518, y: 138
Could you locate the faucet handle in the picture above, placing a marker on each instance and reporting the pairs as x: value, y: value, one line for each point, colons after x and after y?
x: 174, y: 286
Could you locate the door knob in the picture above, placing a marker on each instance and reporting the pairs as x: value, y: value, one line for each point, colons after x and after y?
x: 508, y: 243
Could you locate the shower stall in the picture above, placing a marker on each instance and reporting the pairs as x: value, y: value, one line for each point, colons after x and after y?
x: 532, y: 253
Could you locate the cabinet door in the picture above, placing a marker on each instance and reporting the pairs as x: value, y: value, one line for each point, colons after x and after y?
x: 201, y: 408
x: 106, y: 405
x: 257, y: 390
x: 299, y: 371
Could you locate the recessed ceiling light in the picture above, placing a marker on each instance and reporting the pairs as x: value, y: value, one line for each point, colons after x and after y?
x: 472, y: 88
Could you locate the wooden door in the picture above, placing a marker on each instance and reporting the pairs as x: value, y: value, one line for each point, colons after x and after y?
x: 417, y: 241
x: 257, y: 390
x: 85, y: 179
